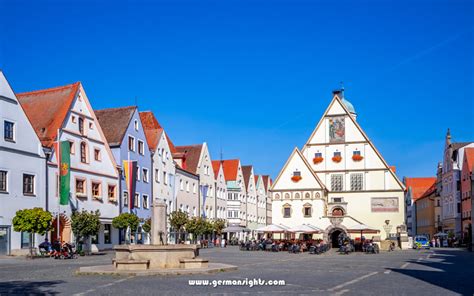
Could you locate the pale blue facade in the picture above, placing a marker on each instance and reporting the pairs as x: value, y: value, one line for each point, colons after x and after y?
x: 144, y: 178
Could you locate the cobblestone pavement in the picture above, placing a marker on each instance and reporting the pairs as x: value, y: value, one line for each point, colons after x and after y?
x: 411, y: 272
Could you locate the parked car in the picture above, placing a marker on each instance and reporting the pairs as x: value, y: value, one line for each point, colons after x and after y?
x: 421, y: 242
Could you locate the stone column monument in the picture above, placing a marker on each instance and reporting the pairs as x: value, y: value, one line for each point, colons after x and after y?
x: 159, y: 235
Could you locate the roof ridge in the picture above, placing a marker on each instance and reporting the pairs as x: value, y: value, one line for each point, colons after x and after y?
x: 48, y: 89
x: 116, y: 108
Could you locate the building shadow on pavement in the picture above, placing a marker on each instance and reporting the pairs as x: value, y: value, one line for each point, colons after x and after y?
x: 28, y: 287
x: 451, y: 270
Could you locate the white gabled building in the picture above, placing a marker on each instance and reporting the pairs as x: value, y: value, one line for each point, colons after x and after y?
x: 94, y: 176
x: 22, y: 171
x: 338, y: 180
x: 250, y: 205
x: 220, y: 190
x: 236, y: 218
x: 163, y: 170
x: 261, y: 201
x: 197, y: 160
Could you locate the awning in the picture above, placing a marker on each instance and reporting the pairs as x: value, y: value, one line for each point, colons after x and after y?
x: 359, y: 227
x: 274, y: 228
x: 306, y: 228
x: 235, y: 228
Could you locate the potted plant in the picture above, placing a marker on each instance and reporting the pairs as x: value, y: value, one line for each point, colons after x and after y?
x: 318, y: 159
x: 296, y: 178
x: 337, y: 158
x: 357, y: 157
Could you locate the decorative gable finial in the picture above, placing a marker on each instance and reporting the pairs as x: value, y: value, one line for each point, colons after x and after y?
x: 342, y: 89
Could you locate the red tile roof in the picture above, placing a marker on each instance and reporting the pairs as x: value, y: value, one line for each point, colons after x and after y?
x: 469, y: 155
x: 256, y: 179
x: 153, y: 131
x: 114, y: 123
x: 247, y: 172
x: 47, y: 109
x: 216, y: 164
x: 191, y: 155
x: 230, y: 167
x: 419, y: 186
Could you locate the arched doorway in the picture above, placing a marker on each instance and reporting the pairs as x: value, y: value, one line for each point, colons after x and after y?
x: 335, y: 238
x: 64, y: 228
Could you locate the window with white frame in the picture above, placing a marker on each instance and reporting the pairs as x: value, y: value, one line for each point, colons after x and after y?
x: 9, y: 131
x: 138, y: 173
x: 135, y: 124
x: 357, y: 183
x: 141, y: 147
x: 131, y: 143
x: 336, y: 182
x: 3, y: 181
x: 157, y: 176
x: 181, y: 186
x: 28, y: 184
x: 187, y: 186
x: 125, y: 198
x: 145, y: 175
x: 145, y: 201
x: 136, y: 200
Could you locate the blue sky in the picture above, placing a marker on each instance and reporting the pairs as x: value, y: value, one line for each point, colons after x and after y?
x: 254, y: 77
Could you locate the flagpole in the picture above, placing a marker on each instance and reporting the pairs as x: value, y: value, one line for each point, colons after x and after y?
x: 59, y: 185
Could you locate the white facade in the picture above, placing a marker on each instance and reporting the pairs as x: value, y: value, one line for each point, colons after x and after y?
x: 21, y: 159
x: 338, y: 179
x: 187, y: 187
x: 250, y: 205
x: 206, y: 184
x: 220, y: 192
x: 164, y: 172
x: 235, y: 194
x: 261, y: 202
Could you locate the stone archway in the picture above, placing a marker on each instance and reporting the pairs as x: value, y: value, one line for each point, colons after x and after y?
x: 332, y: 232
x: 64, y: 228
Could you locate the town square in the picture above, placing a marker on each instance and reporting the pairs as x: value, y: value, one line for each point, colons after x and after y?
x: 200, y: 147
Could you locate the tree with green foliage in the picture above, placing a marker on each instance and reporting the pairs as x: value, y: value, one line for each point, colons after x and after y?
x: 219, y: 225
x: 197, y: 226
x: 147, y: 225
x: 178, y: 220
x: 85, y: 224
x: 126, y: 221
x: 33, y: 221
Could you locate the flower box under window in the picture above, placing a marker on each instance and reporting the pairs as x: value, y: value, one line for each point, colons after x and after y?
x: 337, y: 158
